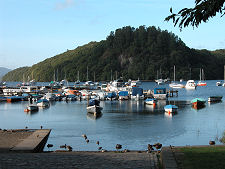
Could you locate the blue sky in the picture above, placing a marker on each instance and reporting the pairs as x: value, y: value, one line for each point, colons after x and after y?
x: 33, y: 30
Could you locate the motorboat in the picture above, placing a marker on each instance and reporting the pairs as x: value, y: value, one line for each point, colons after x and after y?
x: 94, y: 107
x: 123, y: 95
x: 30, y: 108
x: 198, y: 103
x: 43, y: 103
x: 190, y: 84
x: 218, y: 83
x: 170, y: 108
x: 215, y: 98
x: 151, y: 101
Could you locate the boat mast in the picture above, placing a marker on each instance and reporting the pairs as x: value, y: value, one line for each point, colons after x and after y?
x: 78, y: 75
x: 174, y: 75
x: 87, y: 73
x: 200, y: 75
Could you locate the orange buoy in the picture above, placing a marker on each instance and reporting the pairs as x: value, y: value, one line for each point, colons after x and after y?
x: 154, y: 104
x: 26, y: 110
x: 169, y: 112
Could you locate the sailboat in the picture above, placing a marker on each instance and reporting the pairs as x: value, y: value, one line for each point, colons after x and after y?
x: 78, y: 81
x: 201, y: 82
x: 174, y: 84
x: 224, y: 77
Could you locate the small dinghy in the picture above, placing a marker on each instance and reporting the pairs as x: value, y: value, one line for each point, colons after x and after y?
x: 170, y: 108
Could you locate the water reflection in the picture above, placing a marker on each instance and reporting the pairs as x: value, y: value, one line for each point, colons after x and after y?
x: 93, y: 117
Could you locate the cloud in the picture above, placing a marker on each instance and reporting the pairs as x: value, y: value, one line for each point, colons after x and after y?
x: 63, y: 5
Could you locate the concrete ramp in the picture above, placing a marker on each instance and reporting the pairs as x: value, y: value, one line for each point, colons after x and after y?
x: 33, y: 143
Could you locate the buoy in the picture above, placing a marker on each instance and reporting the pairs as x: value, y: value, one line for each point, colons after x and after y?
x: 154, y: 104
x: 169, y: 112
x: 26, y: 110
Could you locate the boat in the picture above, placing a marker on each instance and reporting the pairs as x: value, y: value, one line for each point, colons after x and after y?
x: 215, y: 98
x: 137, y: 93
x: 31, y: 108
x: 174, y: 84
x: 170, y: 108
x: 190, y: 84
x: 198, y: 103
x: 200, y: 82
x: 123, y: 95
x: 160, y: 81
x: 160, y: 93
x: 218, y: 83
x: 151, y: 101
x: 43, y: 103
x: 94, y: 107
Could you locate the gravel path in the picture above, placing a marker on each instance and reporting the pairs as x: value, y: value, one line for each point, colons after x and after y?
x: 79, y: 160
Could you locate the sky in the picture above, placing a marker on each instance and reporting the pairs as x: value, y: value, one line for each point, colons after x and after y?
x: 34, y: 30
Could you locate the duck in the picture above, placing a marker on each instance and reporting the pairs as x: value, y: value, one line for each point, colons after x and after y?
x: 69, y: 148
x: 63, y: 146
x: 157, y: 145
x: 50, y: 145
x: 212, y: 142
x: 87, y: 140
x: 118, y: 146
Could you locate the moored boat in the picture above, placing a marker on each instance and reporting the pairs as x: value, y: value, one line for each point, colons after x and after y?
x: 43, y: 103
x: 160, y: 93
x: 215, y: 98
x: 218, y: 83
x: 198, y: 103
x: 94, y: 107
x: 201, y: 82
x: 190, y: 84
x: 170, y: 108
x: 31, y: 108
x: 151, y: 101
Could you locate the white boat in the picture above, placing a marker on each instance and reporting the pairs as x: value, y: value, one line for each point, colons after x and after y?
x: 190, y: 84
x: 94, y: 107
x: 174, y: 84
x: 31, y: 108
x: 170, y: 108
x: 218, y: 83
x: 151, y: 101
x: 160, y: 81
x: 215, y: 98
x: 43, y: 103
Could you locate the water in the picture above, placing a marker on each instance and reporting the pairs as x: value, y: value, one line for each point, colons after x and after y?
x: 130, y: 123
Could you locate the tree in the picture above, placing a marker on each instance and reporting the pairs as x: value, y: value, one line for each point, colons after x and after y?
x: 203, y: 10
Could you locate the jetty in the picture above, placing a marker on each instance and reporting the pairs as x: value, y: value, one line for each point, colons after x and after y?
x: 23, y: 140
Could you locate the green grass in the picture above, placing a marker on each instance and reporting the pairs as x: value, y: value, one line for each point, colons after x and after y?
x: 203, y: 157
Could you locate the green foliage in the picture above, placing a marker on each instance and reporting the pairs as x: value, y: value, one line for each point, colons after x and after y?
x: 129, y: 52
x: 203, y: 10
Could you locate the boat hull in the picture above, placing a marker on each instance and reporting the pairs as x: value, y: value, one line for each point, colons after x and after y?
x: 198, y: 104
x: 215, y: 98
x: 95, y: 110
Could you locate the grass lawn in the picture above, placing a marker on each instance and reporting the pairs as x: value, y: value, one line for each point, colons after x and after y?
x: 211, y: 157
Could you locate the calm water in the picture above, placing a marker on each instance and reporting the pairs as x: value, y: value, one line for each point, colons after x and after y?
x: 130, y: 123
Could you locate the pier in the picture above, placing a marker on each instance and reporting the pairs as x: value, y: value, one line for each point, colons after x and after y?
x: 23, y: 140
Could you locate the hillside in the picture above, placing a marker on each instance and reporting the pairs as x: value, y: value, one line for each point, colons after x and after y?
x: 3, y: 71
x: 129, y: 52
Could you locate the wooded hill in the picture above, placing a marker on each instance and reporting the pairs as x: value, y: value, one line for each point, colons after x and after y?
x: 128, y: 52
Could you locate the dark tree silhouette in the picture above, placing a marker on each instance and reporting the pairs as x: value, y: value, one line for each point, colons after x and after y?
x: 203, y: 10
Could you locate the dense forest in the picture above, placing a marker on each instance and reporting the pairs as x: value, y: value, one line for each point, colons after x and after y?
x: 130, y: 53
